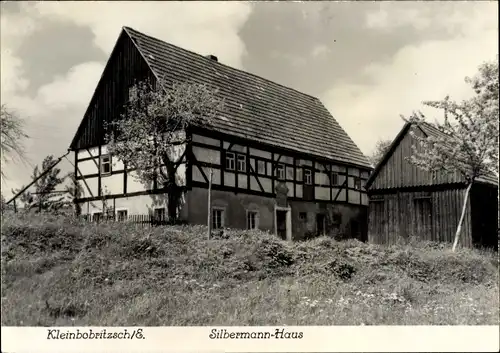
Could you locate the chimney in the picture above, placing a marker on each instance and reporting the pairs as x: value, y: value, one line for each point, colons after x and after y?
x: 212, y: 57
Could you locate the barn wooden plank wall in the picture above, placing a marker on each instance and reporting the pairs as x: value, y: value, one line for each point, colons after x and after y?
x: 398, y: 172
x: 429, y: 216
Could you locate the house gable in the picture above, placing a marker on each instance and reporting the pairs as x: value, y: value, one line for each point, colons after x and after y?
x: 124, y: 67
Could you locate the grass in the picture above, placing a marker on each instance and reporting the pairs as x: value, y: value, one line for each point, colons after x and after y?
x: 59, y: 271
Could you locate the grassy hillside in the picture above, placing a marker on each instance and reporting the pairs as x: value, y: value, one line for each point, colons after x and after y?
x: 62, y: 272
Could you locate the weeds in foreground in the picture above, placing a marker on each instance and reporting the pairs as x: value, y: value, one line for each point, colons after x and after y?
x: 59, y: 271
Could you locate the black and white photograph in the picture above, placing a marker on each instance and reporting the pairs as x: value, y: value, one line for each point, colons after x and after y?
x: 226, y: 163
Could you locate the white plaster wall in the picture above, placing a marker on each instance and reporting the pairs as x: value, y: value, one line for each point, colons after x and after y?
x: 112, y: 184
x: 92, y: 183
x: 322, y: 193
x: 88, y: 167
x: 135, y: 205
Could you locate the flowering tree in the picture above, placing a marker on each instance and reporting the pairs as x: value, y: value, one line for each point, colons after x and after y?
x: 150, y: 135
x: 468, y: 142
x: 381, y: 148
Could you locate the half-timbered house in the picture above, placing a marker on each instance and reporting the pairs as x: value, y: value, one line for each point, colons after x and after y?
x: 406, y: 201
x: 280, y: 161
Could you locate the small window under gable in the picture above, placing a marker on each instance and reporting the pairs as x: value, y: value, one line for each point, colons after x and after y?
x: 105, y: 164
x: 230, y: 160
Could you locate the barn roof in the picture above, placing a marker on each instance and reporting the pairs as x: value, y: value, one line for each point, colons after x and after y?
x: 256, y: 108
x: 428, y: 130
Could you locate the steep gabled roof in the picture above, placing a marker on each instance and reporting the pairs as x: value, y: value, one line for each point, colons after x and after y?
x: 256, y: 108
x: 428, y: 130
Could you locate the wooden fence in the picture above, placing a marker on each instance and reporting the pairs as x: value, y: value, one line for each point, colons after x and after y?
x: 144, y: 220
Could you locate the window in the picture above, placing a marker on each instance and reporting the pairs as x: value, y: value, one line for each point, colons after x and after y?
x: 229, y: 161
x: 217, y: 218
x: 307, y: 176
x: 303, y: 216
x: 357, y: 183
x: 121, y: 215
x: 105, y: 164
x: 280, y: 172
x: 252, y: 219
x: 335, y: 178
x: 96, y: 216
x: 159, y: 214
x: 261, y: 167
x: 242, y: 163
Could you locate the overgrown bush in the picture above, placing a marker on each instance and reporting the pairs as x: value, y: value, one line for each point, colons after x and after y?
x: 60, y: 269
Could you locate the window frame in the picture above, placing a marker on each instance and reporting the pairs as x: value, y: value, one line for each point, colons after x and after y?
x: 230, y: 156
x: 213, y: 218
x: 102, y: 164
x: 241, y: 159
x: 155, y: 218
x: 255, y: 219
x: 357, y: 183
x: 307, y: 174
x: 280, y: 168
x: 118, y: 214
x: 93, y: 214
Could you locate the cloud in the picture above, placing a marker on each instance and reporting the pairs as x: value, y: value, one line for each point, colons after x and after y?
x: 391, y: 15
x: 429, y: 70
x: 53, y: 113
x: 207, y: 28
x: 72, y: 90
x: 320, y: 50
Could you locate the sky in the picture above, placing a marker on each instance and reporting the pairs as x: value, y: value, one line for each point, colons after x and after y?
x: 368, y: 62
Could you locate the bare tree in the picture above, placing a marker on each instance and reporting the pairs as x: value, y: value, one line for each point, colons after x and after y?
x: 151, y: 133
x: 12, y: 132
x: 468, y: 139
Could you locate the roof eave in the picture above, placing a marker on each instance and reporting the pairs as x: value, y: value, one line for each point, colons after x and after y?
x: 388, y: 154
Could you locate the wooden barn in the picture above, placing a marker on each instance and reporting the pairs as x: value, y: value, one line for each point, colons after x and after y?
x: 406, y: 201
x: 281, y: 162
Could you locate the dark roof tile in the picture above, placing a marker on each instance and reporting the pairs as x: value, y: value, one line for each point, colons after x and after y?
x: 256, y: 108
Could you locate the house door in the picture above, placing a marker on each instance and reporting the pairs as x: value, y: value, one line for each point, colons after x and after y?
x: 423, y: 218
x: 320, y: 224
x: 281, y: 223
